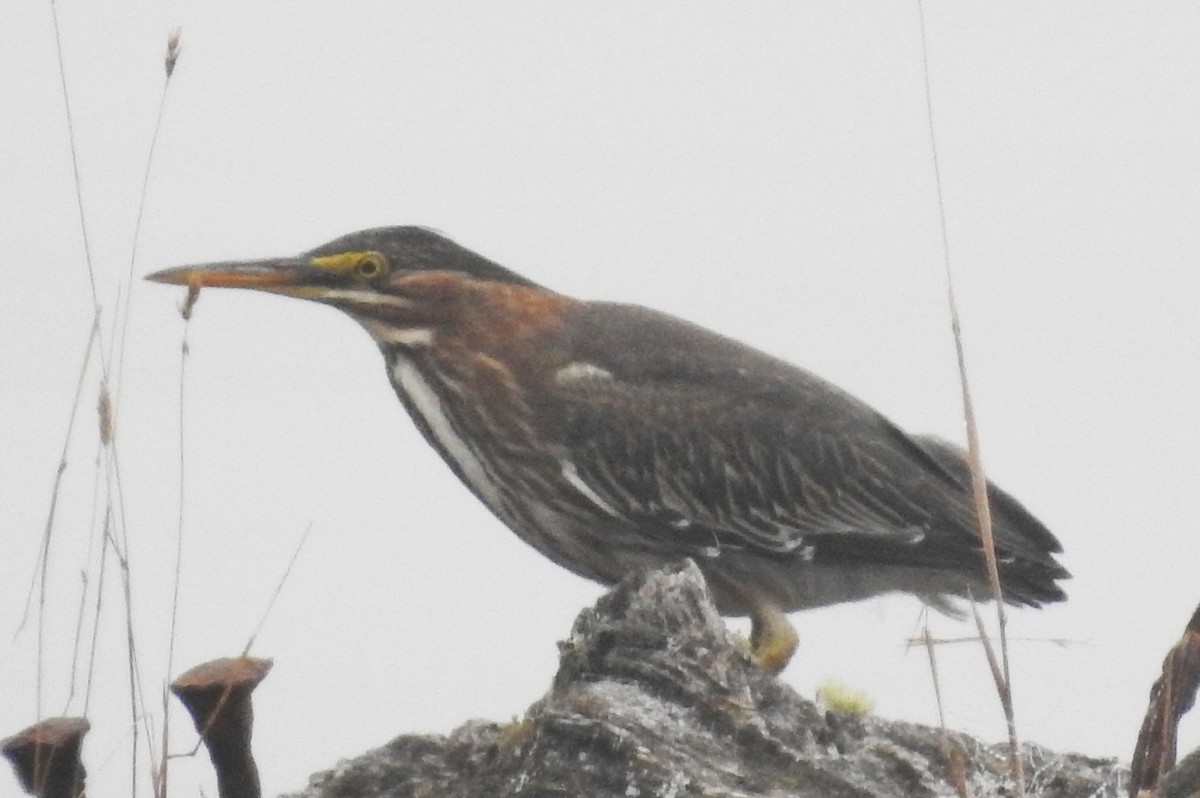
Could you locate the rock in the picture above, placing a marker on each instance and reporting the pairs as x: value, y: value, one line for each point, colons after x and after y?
x: 653, y: 698
x: 1183, y: 781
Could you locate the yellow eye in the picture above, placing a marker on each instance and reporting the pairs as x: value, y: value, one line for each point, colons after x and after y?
x: 371, y: 265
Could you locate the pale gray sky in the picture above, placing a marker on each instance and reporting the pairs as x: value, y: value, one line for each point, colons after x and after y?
x: 763, y: 169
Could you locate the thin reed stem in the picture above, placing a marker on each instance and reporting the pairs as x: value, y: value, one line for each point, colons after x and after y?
x: 974, y: 458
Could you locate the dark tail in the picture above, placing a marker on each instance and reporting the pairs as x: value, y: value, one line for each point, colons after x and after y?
x: 1025, y: 548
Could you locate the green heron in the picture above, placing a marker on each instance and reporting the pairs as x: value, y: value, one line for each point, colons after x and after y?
x: 612, y: 438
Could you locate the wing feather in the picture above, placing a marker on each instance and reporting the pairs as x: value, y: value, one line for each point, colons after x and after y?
x: 706, y: 440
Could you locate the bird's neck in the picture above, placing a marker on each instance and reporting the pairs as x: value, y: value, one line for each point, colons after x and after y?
x: 482, y: 330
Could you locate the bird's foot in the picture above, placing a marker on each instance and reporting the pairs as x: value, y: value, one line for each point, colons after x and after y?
x: 773, y: 639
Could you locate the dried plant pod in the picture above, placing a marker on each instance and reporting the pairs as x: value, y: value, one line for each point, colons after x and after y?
x: 46, y: 757
x: 217, y: 696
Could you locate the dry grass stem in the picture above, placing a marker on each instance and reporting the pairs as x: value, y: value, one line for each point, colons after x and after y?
x: 278, y: 588
x: 163, y: 764
x: 173, y: 48
x: 974, y: 459
x: 999, y: 677
x: 956, y: 766
x: 37, y: 582
x: 189, y: 303
x: 1061, y: 642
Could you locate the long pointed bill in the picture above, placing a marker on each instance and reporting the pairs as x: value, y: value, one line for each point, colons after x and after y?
x: 291, y: 276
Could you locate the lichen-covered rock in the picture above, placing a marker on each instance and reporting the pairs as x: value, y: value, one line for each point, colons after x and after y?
x: 652, y: 698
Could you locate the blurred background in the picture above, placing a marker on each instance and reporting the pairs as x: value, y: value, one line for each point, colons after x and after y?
x: 763, y: 169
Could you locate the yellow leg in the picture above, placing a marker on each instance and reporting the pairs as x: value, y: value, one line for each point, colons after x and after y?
x: 773, y: 639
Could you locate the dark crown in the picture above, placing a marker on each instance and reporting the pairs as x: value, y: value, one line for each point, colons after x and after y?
x: 419, y: 248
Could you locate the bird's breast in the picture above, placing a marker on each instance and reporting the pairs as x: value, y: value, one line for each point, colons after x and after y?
x: 429, y: 409
x: 495, y: 452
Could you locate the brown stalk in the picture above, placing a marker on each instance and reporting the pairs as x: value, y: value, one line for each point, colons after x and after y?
x: 46, y: 757
x: 1171, y: 696
x: 974, y: 459
x: 956, y: 766
x: 217, y: 696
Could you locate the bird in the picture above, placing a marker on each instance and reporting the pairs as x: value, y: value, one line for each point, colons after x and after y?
x: 613, y: 438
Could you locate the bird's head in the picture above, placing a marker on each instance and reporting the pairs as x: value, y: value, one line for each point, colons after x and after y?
x: 368, y: 261
x: 401, y: 283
